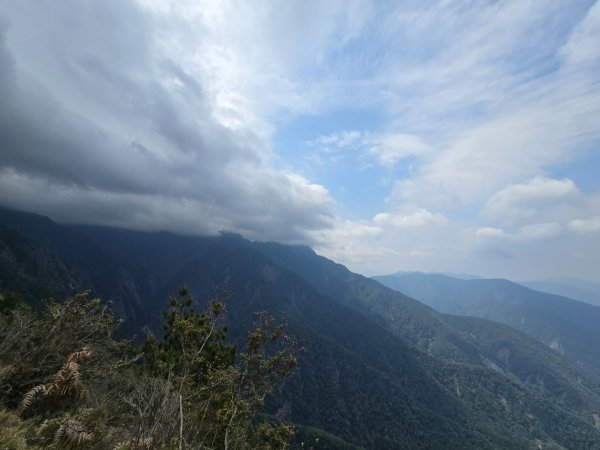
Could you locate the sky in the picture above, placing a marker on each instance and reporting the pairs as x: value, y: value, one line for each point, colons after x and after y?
x: 453, y: 136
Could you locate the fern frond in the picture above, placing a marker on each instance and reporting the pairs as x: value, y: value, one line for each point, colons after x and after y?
x: 30, y: 396
x: 66, y: 382
x: 140, y: 443
x: 85, y: 353
x: 72, y: 431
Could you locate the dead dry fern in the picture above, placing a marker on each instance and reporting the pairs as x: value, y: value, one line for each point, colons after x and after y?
x: 140, y: 443
x: 64, y: 433
x: 65, y: 383
x: 73, y: 432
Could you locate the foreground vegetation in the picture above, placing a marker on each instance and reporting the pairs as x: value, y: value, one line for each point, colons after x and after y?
x: 383, y: 371
x: 67, y: 382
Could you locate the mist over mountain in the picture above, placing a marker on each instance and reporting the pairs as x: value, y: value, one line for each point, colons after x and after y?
x: 382, y: 370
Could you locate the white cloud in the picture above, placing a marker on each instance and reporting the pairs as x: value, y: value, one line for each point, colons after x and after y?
x: 342, y: 140
x: 418, y: 218
x: 389, y: 149
x: 540, y: 231
x: 582, y: 47
x: 491, y: 232
x: 539, y: 195
x: 250, y: 54
x: 585, y: 226
x: 406, y: 239
x: 386, y: 149
x: 351, y: 242
x: 537, y: 189
x: 512, y: 147
x: 532, y: 232
x: 436, y: 195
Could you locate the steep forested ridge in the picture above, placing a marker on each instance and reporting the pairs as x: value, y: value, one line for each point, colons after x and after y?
x: 381, y: 370
x: 570, y: 327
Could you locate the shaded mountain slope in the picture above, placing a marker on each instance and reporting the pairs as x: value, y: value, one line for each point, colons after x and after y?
x: 32, y: 270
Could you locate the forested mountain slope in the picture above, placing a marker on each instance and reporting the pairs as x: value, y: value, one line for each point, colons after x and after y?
x: 381, y: 371
x: 570, y: 327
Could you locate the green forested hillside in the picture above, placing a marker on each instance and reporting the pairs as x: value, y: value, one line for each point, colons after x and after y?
x: 381, y: 370
x: 569, y: 327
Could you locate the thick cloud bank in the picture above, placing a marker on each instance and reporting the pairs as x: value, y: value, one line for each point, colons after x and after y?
x: 105, y: 119
x: 456, y: 137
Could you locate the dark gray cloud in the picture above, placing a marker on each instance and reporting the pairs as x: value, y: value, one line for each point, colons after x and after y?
x: 103, y: 122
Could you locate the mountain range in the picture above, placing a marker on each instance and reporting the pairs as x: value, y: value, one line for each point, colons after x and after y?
x: 583, y: 290
x: 569, y: 327
x: 382, y: 370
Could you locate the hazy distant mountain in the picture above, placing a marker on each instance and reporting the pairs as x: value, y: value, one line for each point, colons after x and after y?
x: 568, y: 326
x: 586, y: 291
x: 460, y: 276
x: 382, y: 370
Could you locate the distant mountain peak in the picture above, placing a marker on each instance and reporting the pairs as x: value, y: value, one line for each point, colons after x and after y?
x: 458, y: 276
